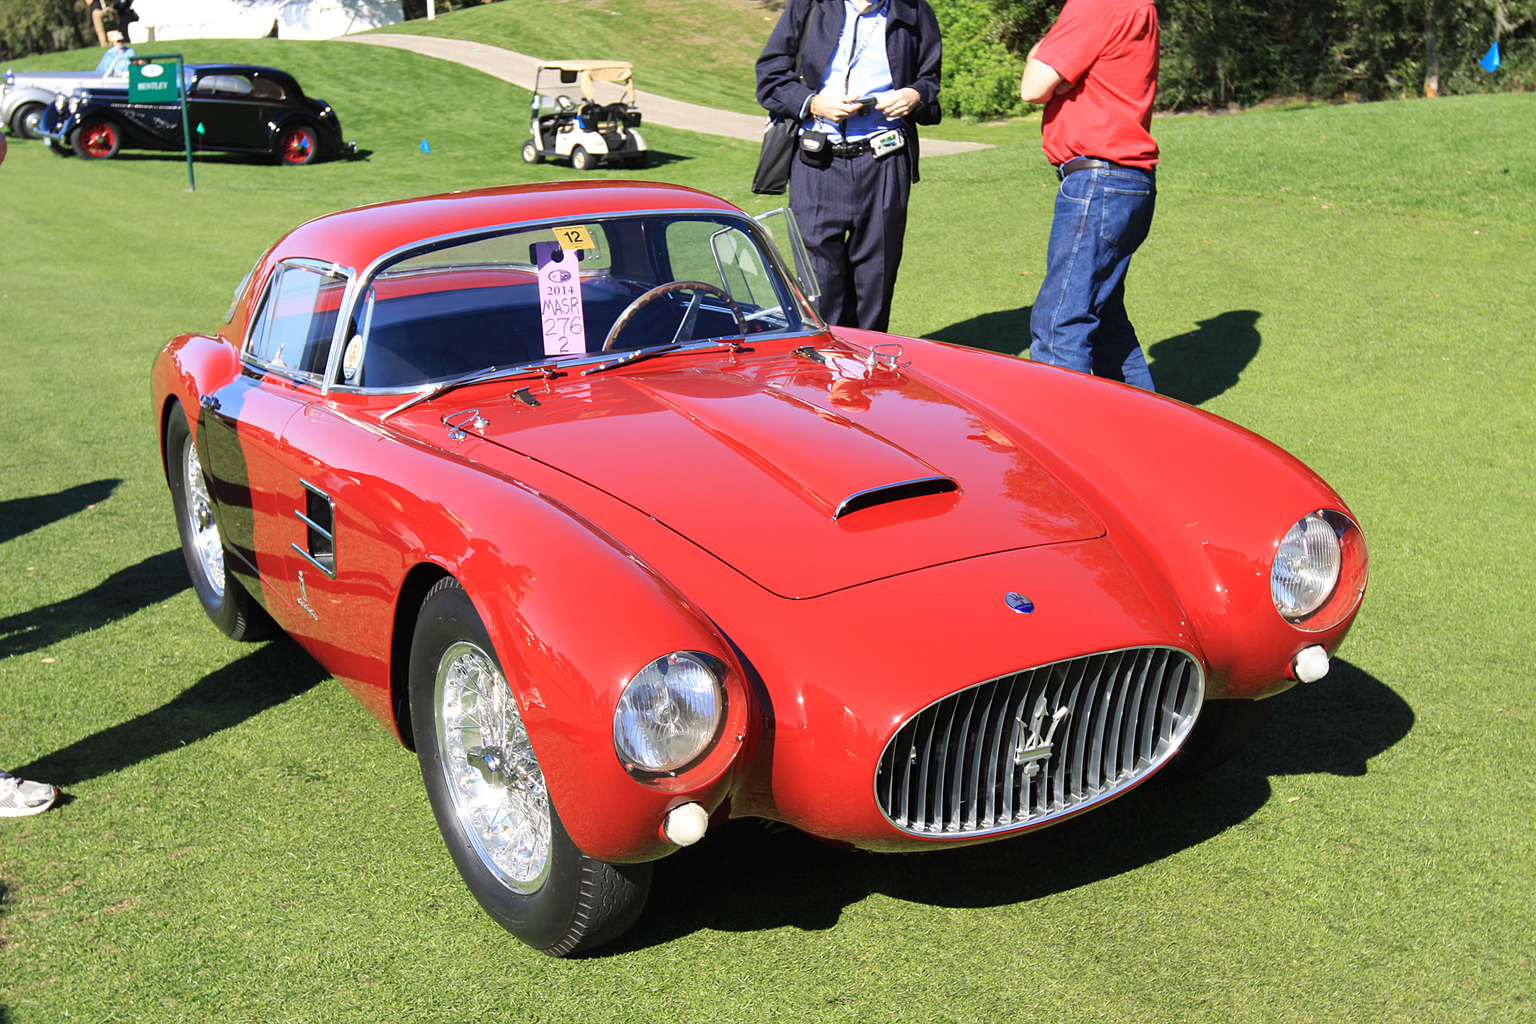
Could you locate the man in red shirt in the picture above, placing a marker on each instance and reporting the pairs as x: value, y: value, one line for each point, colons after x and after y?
x: 1096, y: 73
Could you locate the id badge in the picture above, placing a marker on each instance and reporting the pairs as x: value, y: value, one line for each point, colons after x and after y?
x: 887, y: 142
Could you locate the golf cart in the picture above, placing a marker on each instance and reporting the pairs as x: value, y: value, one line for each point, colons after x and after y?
x: 584, y: 112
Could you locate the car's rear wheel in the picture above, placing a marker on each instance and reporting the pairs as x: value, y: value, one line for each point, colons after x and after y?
x: 233, y: 610
x: 24, y: 121
x: 488, y: 794
x: 581, y: 160
x: 97, y: 138
x: 298, y: 145
x: 531, y: 154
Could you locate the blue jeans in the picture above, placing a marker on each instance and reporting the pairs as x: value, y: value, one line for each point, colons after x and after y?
x: 1079, y: 319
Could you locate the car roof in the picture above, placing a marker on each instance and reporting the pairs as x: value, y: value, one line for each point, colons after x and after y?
x: 259, y: 70
x: 356, y: 238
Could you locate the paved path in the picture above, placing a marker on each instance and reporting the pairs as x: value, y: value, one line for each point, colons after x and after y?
x: 519, y: 69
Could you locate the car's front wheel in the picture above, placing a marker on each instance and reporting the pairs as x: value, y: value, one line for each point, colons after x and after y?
x: 298, y: 145
x: 233, y: 610
x: 487, y: 791
x: 97, y: 138
x: 1221, y: 732
x: 24, y: 121
x: 581, y: 160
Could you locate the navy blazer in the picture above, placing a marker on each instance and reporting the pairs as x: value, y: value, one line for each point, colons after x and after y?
x: 912, y: 45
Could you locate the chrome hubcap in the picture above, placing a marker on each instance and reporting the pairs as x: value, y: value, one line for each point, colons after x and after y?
x: 201, y: 527
x: 493, y: 777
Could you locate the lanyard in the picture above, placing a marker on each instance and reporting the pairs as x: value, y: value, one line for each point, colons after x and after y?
x: 855, y: 48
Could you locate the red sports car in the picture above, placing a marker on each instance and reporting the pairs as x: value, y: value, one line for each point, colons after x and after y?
x: 568, y: 484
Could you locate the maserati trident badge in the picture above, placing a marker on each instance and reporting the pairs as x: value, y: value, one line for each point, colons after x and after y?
x: 1033, y: 748
x: 1019, y: 603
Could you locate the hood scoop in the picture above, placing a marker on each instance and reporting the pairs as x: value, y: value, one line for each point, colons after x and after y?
x: 890, y: 493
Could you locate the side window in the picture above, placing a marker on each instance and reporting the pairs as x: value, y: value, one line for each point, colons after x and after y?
x: 297, y: 319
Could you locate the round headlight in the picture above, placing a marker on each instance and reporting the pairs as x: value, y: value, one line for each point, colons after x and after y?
x: 669, y: 714
x: 1307, y: 566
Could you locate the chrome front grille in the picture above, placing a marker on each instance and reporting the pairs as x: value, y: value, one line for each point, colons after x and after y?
x: 1038, y: 744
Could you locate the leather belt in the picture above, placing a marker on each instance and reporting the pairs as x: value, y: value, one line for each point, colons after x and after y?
x: 1081, y: 163
x: 847, y: 149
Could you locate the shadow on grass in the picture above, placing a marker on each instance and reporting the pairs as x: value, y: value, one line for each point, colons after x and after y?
x: 264, y: 678
x: 746, y: 878
x: 118, y: 596
x: 23, y: 515
x: 1197, y: 366
x: 1193, y: 367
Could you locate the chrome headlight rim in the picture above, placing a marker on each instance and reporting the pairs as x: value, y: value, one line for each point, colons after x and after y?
x: 1340, y: 537
x: 636, y: 707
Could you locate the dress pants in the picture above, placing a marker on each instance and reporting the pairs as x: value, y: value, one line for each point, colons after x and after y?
x: 853, y: 215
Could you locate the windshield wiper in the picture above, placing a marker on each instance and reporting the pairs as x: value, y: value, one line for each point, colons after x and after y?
x: 545, y: 370
x: 661, y: 350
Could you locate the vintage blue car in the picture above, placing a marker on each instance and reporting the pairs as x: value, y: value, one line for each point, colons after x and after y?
x: 234, y: 108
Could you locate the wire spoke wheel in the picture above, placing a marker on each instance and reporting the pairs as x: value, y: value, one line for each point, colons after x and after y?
x: 499, y: 822
x: 488, y: 764
x: 200, y: 526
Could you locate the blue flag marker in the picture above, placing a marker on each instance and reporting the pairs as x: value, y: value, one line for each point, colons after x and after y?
x: 424, y: 147
x: 1490, y: 61
x: 200, y: 128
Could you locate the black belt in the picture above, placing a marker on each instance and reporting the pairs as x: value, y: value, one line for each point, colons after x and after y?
x: 1086, y: 163
x: 849, y: 148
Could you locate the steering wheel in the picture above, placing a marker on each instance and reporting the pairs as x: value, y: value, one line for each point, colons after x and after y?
x: 667, y: 289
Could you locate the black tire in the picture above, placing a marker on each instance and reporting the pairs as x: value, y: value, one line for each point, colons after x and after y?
x: 60, y: 148
x: 234, y: 611
x: 97, y: 138
x: 297, y: 145
x: 1223, y: 729
x: 581, y: 160
x: 531, y: 154
x: 554, y: 898
x: 24, y: 120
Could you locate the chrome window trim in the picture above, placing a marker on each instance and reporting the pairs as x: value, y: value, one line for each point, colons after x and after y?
x: 329, y: 269
x: 357, y: 286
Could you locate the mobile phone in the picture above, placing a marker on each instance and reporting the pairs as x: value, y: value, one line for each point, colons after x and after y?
x: 866, y: 104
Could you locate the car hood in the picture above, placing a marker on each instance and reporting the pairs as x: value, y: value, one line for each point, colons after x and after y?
x: 807, y: 476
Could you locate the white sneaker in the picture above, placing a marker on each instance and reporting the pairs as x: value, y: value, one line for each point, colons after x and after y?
x: 18, y: 798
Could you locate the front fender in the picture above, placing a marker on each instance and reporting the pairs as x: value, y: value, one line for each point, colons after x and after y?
x: 1202, y: 501
x: 572, y: 614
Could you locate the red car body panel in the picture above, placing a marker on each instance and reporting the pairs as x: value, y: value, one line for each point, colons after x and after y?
x: 690, y: 503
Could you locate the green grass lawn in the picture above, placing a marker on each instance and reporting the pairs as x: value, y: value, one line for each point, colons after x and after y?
x: 243, y: 843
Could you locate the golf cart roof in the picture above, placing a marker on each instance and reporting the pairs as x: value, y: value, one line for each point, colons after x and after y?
x: 584, y: 73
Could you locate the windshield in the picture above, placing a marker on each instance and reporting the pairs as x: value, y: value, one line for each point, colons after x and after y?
x: 566, y: 292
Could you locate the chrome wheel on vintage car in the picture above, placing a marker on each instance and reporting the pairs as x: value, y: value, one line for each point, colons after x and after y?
x: 24, y: 121
x: 233, y: 610
x: 488, y: 794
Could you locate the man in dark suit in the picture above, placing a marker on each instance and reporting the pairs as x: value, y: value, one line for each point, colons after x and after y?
x: 860, y: 74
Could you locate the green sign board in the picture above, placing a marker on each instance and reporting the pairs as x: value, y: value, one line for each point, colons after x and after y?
x: 153, y: 82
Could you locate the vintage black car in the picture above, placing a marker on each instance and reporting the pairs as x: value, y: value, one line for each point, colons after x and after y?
x: 235, y: 108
